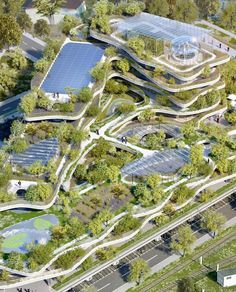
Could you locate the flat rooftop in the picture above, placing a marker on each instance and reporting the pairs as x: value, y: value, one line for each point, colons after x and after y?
x: 72, y: 67
x: 159, y: 27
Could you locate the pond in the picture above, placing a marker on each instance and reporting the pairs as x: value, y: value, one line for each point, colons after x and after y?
x: 36, y: 230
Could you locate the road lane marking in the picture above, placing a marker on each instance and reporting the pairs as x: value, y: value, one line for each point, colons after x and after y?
x: 104, y: 287
x: 125, y: 274
x: 152, y: 258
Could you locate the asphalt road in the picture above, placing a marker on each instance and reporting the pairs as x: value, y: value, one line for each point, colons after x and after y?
x: 31, y: 47
x: 154, y: 253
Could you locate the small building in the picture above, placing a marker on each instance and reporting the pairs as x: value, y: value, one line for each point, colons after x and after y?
x: 227, y: 277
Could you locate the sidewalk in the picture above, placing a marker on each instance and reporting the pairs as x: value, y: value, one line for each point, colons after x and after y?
x: 216, y: 27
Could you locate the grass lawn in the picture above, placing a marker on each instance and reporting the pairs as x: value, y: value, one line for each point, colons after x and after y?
x: 14, y: 241
x: 42, y: 224
x: 209, y: 283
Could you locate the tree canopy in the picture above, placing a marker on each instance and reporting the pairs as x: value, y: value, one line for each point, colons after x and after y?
x: 48, y: 8
x: 10, y: 31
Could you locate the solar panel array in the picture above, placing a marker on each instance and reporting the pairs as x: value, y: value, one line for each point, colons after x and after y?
x: 72, y: 67
x: 159, y: 27
x: 142, y: 130
x: 164, y: 162
x: 42, y: 151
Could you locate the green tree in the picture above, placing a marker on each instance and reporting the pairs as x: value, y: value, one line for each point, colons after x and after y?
x: 44, y: 102
x: 85, y: 94
x: 196, y: 155
x: 230, y: 117
x: 126, y: 108
x: 137, y: 45
x: 15, y: 261
x: 219, y: 151
x: 123, y: 65
x: 17, y: 128
x: 87, y: 264
x: 146, y: 115
x: 40, y: 192
x: 185, y: 10
x: 154, y: 141
x: 48, y: 8
x: 228, y: 16
x: 36, y: 168
x: 189, y: 170
x: 228, y: 73
x: 41, y: 28
x: 158, y: 7
x: 92, y: 111
x: 181, y: 194
x: 139, y: 270
x: 115, y: 87
x: 80, y: 172
x: 208, y: 7
x: 206, y: 72
x: 99, y: 72
x: 28, y: 103
x: 133, y: 8
x: 76, y: 228
x: 113, y: 173
x: 4, y: 275
x: 40, y: 253
x: 78, y: 136
x: 127, y: 223
x: 10, y: 31
x: 153, y: 181
x: 19, y: 145
x: 24, y: 21
x: 68, y: 23
x: 105, y: 254
x: 17, y: 59
x: 11, y: 7
x: 41, y: 65
x: 213, y: 221
x: 95, y: 226
x: 185, y: 238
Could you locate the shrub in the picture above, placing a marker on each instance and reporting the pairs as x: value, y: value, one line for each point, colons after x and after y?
x: 40, y: 192
x: 126, y: 224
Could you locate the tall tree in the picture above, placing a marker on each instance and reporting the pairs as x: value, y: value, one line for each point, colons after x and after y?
x: 185, y: 238
x: 158, y: 7
x: 24, y: 21
x: 139, y: 270
x: 228, y: 16
x: 48, y: 8
x: 213, y: 221
x: 208, y: 7
x: 10, y: 32
x: 41, y: 28
x: 11, y: 7
x: 185, y: 10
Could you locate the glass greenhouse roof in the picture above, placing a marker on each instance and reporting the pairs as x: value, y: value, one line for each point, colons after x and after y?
x: 159, y: 27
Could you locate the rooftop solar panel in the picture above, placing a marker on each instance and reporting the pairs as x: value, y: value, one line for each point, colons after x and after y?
x: 71, y: 68
x: 42, y: 151
x: 164, y: 162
